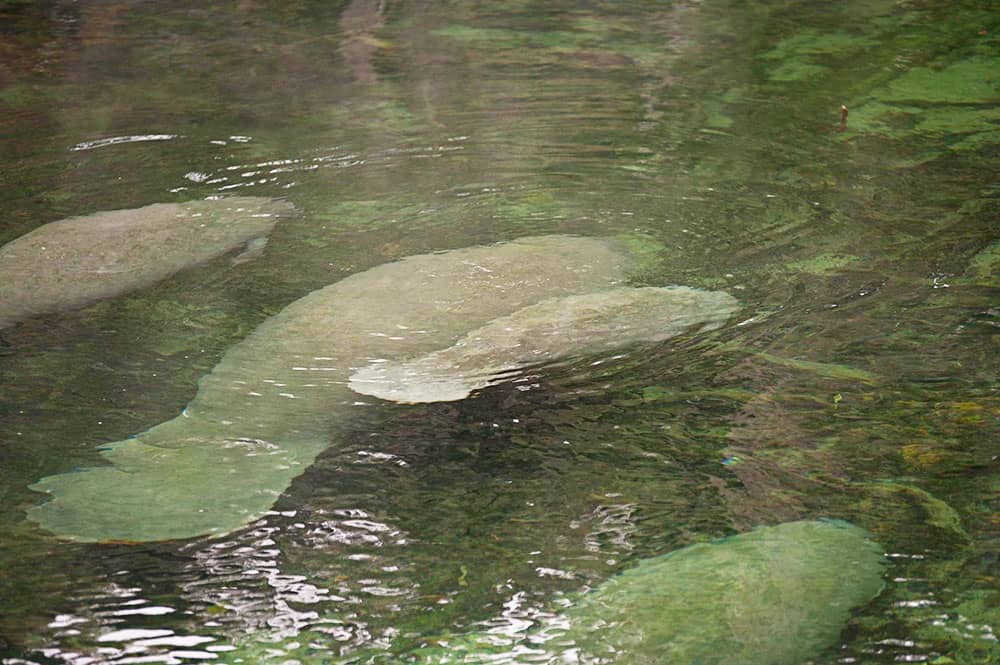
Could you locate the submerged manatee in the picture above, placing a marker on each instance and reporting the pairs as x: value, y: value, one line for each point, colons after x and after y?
x: 776, y: 595
x: 74, y: 262
x: 552, y: 329
x: 275, y: 400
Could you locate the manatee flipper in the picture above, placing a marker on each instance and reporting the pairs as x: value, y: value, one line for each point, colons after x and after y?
x: 542, y: 333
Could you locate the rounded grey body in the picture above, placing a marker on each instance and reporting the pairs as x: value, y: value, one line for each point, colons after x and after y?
x: 74, y: 262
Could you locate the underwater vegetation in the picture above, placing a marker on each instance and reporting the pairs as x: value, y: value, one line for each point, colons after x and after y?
x: 862, y: 386
x: 77, y: 261
x: 954, y: 103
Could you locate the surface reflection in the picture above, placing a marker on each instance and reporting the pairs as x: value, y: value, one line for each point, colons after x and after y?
x: 859, y: 384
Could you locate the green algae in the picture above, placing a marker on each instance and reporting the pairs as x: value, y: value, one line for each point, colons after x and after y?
x: 366, y: 213
x: 23, y: 96
x: 511, y: 39
x: 954, y: 102
x: 958, y: 120
x: 807, y: 54
x: 984, y: 268
x: 661, y: 393
x: 824, y: 264
x: 970, y: 81
x: 965, y: 630
x: 591, y: 43
x: 588, y: 35
x: 952, y: 628
x: 649, y: 254
x: 716, y: 116
x: 175, y: 325
x: 527, y: 208
x: 796, y: 70
x: 891, y: 500
x: 815, y: 42
x: 825, y: 370
x: 390, y: 116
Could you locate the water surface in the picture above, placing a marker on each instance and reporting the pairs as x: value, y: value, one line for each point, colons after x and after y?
x: 859, y: 383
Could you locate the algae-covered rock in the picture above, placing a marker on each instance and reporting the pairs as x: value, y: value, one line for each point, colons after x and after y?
x: 274, y: 401
x: 777, y: 595
x: 74, y: 262
x: 547, y: 331
x: 809, y: 52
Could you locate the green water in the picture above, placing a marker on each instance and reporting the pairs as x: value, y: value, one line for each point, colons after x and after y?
x: 860, y: 383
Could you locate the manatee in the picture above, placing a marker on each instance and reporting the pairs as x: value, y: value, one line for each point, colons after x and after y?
x: 540, y: 333
x: 276, y: 399
x: 777, y: 595
x: 74, y: 262
x: 773, y: 596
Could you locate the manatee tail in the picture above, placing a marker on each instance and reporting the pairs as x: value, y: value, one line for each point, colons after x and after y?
x: 160, y: 487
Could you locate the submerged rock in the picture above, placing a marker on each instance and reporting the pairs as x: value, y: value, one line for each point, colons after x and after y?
x: 549, y: 330
x: 77, y: 261
x: 276, y: 399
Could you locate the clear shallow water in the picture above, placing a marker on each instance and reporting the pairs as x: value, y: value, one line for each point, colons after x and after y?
x: 862, y: 385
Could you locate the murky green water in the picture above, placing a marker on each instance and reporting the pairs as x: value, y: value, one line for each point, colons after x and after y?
x: 858, y: 380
